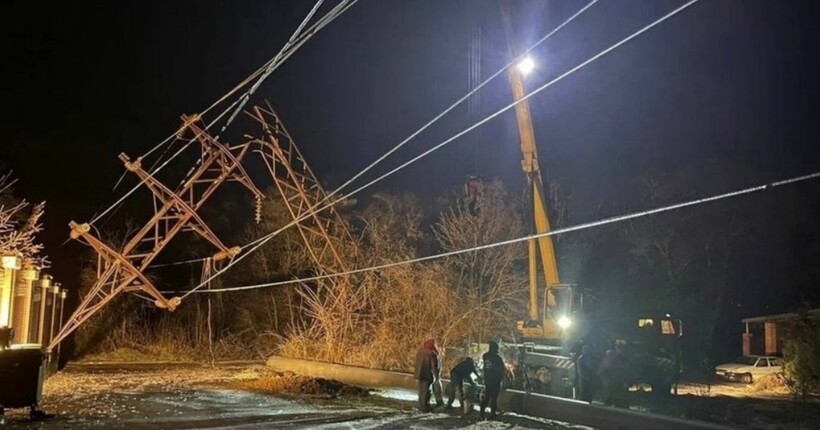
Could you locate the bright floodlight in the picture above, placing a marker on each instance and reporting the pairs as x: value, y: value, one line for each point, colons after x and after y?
x: 564, y: 322
x: 526, y: 65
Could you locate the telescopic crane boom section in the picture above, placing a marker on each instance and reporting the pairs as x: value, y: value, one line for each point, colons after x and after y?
x: 542, y: 325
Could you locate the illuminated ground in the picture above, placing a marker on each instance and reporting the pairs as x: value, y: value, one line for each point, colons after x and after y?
x: 251, y: 397
x: 236, y: 397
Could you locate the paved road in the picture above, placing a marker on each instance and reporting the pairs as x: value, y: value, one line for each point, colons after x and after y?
x: 200, y: 398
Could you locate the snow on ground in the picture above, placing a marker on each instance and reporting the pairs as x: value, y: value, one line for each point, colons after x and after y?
x: 246, y: 398
x: 252, y: 397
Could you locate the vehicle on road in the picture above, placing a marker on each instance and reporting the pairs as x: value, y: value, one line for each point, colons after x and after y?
x: 551, y: 337
x: 749, y: 368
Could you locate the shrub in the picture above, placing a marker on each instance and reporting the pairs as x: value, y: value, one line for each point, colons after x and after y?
x: 802, y: 359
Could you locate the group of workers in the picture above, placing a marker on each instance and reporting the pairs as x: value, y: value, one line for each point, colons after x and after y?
x: 428, y: 373
x: 592, y: 375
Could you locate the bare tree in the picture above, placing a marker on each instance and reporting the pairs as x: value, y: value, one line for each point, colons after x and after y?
x: 19, y: 226
x: 490, y: 284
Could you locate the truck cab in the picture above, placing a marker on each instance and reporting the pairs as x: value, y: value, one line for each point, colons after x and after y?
x: 652, y: 351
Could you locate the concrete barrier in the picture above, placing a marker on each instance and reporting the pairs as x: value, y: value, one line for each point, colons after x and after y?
x: 554, y: 408
x: 597, y: 416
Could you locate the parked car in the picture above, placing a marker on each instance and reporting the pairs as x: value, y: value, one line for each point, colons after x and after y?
x: 748, y: 368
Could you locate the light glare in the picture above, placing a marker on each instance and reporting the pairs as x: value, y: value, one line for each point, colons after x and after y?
x: 564, y: 322
x: 526, y: 65
x: 11, y: 262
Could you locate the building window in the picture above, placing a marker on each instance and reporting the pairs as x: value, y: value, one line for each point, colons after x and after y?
x: 667, y: 327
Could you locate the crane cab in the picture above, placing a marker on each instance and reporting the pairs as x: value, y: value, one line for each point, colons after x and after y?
x: 559, y: 316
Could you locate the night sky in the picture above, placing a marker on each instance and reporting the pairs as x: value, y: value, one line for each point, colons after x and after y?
x: 731, y: 82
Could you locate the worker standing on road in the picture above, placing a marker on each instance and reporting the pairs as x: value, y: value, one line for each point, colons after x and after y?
x: 586, y: 374
x: 613, y: 377
x: 437, y: 388
x: 463, y: 371
x: 607, y: 374
x: 428, y: 372
x: 621, y: 387
x: 494, y: 371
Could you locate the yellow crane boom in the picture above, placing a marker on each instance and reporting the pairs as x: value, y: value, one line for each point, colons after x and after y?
x: 543, y: 325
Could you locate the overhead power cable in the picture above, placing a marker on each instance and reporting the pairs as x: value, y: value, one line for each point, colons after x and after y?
x: 262, y: 240
x: 179, y: 263
x: 291, y: 47
x: 245, y: 97
x: 239, y: 103
x: 457, y: 103
x: 406, y: 140
x: 524, y: 98
x: 584, y: 226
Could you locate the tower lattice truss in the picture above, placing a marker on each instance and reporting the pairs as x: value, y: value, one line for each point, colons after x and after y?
x: 176, y: 210
x: 324, y: 232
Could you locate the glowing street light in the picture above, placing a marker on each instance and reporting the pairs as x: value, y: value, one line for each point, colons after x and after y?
x: 8, y: 264
x: 526, y: 65
x: 11, y: 262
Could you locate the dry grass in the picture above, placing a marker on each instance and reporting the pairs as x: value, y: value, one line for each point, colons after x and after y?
x: 145, y: 335
x: 702, y: 390
x: 373, y: 320
x: 380, y: 321
x: 774, y: 384
x: 154, y: 353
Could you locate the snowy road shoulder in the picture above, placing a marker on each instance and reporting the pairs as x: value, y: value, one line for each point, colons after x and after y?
x: 246, y: 397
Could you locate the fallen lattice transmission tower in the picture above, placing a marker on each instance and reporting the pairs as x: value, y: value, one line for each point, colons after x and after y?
x: 123, y: 269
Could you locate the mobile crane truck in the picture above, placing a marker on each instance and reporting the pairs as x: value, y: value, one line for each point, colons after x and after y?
x: 552, y: 335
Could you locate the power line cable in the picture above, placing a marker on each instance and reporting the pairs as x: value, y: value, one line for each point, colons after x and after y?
x: 334, y: 13
x: 245, y: 97
x: 296, y: 38
x: 179, y: 263
x: 310, y: 212
x: 270, y: 65
x: 262, y: 240
x: 584, y: 226
x: 457, y: 103
x: 524, y: 98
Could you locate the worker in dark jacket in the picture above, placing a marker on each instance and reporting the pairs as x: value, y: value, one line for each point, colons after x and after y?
x: 494, y: 372
x: 428, y: 371
x: 586, y: 374
x: 612, y: 377
x: 463, y: 371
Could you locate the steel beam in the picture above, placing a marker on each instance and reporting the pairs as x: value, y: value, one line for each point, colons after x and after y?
x: 123, y: 270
